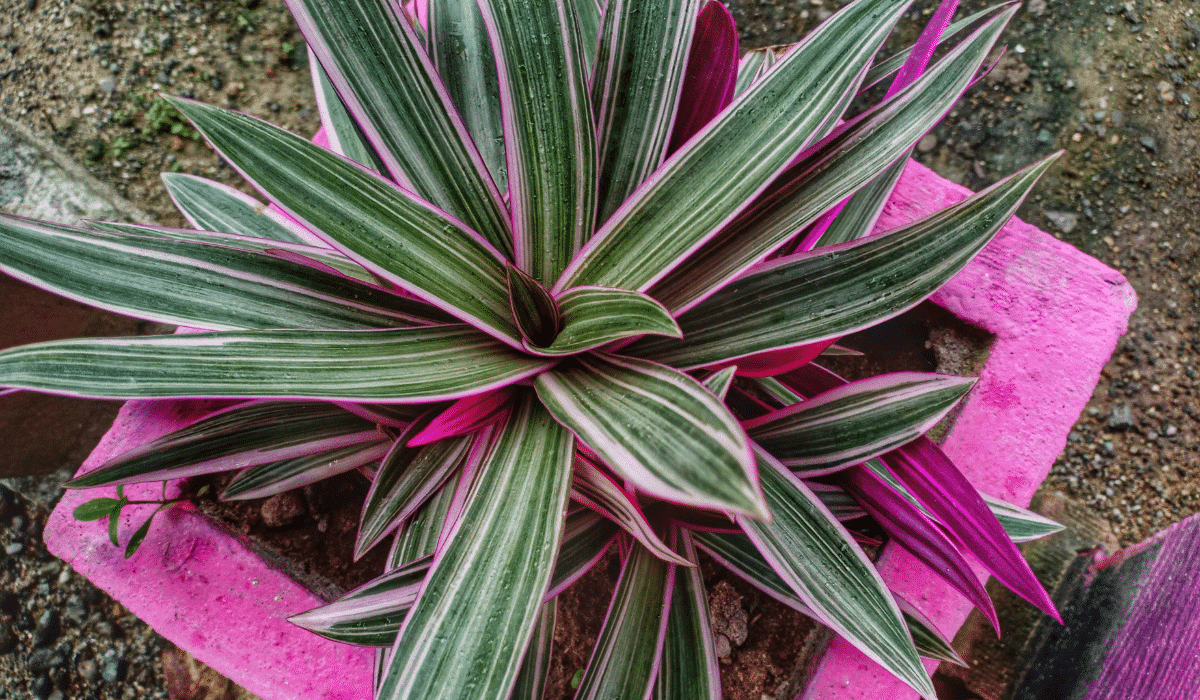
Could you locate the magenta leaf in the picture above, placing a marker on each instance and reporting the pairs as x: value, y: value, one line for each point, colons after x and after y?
x: 463, y: 416
x: 912, y: 530
x: 711, y: 74
x: 934, y: 480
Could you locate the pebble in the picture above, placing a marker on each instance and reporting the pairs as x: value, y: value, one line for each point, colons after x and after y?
x: 113, y: 667
x: 1064, y: 220
x: 88, y: 670
x: 1121, y: 417
x: 47, y: 629
x: 1148, y: 143
x: 927, y: 143
x: 13, y: 548
x: 107, y: 85
x: 282, y: 509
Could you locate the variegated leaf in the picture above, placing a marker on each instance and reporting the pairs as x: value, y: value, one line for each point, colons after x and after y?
x: 534, y: 311
x: 588, y: 14
x: 462, y: 53
x: 531, y: 681
x: 548, y: 131
x: 626, y: 656
x: 718, y: 382
x: 594, y: 316
x: 265, y: 480
x: 826, y: 173
x: 887, y: 67
x: 388, y: 83
x: 752, y: 65
x: 823, y: 566
x: 689, y: 669
x: 383, y: 228
x: 317, y: 256
x: 419, y: 536
x: 469, y: 627
x: 211, y: 286
x: 240, y: 436
x: 407, y: 478
x: 345, y: 136
x: 1022, y: 525
x: 213, y: 206
x: 656, y: 427
x: 370, y: 614
x: 636, y: 81
x: 586, y: 537
x: 710, y: 78
x: 854, y: 423
x: 737, y: 553
x: 596, y: 490
x: 410, y: 365
x: 736, y: 156
x: 801, y: 299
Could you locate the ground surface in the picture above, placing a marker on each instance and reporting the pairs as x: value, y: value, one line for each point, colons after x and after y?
x: 1113, y: 83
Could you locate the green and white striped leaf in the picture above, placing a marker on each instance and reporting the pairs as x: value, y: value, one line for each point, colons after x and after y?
x: 828, y: 293
x: 266, y: 480
x: 824, y: 567
x: 857, y: 218
x: 462, y: 53
x: 753, y: 64
x: 419, y: 536
x: 720, y: 381
x: 379, y: 226
x: 625, y: 658
x: 737, y: 553
x: 344, y: 135
x: 596, y: 490
x: 534, y: 310
x: 656, y: 427
x: 636, y: 80
x: 1021, y: 524
x: 214, y: 206
x: 858, y: 421
x: 407, y: 478
x: 841, y: 504
x: 468, y: 629
x: 835, y: 168
x: 887, y: 67
x: 409, y: 365
x: 689, y: 668
x: 531, y: 680
x: 321, y: 255
x: 245, y: 435
x: 380, y: 69
x: 594, y: 316
x: 702, y: 187
x: 191, y: 284
x: 588, y: 14
x: 370, y: 614
x: 586, y: 537
x: 548, y: 130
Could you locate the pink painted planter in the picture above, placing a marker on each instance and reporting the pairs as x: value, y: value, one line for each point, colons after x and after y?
x: 1056, y: 314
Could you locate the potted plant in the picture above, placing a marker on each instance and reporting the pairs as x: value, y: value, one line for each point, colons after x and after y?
x: 523, y: 298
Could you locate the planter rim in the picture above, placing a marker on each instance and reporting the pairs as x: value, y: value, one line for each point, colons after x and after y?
x: 1056, y: 315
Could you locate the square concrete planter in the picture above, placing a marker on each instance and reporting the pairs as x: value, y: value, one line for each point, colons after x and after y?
x: 1056, y: 315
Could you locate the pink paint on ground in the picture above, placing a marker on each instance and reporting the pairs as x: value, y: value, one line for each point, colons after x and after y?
x: 1057, y: 315
x: 200, y: 585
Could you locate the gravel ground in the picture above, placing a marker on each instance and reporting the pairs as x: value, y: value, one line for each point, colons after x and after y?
x: 1113, y: 83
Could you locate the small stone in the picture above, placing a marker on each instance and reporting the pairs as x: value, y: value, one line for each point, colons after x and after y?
x: 89, y: 670
x: 47, y: 629
x: 927, y: 143
x: 216, y: 83
x: 1171, y: 431
x: 14, y: 548
x: 1121, y: 417
x: 1148, y: 143
x: 1064, y: 220
x: 1106, y: 447
x: 1044, y: 136
x: 282, y: 509
x: 107, y: 85
x: 729, y: 619
x: 111, y: 670
x: 44, y: 660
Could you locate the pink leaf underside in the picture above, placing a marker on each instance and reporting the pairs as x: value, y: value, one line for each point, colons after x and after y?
x: 321, y: 138
x: 913, y: 67
x: 773, y: 362
x: 711, y: 73
x: 914, y: 531
x: 470, y: 468
x: 464, y: 416
x: 934, y: 480
x: 931, y: 477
